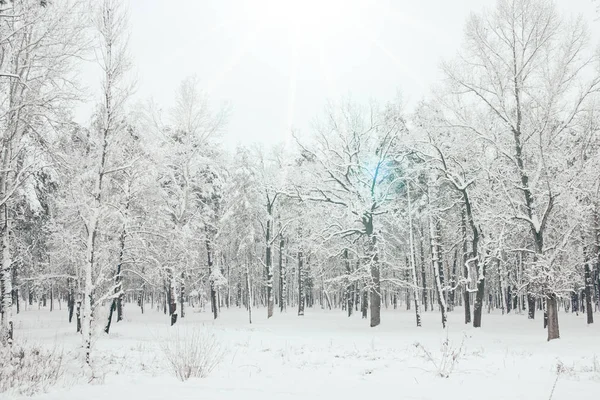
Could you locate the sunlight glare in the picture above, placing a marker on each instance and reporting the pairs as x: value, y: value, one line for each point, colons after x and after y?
x: 308, y: 22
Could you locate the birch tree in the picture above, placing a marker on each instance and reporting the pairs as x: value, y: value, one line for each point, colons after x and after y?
x: 111, y: 25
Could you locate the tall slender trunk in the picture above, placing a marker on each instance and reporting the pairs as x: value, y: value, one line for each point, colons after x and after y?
x: 78, y: 316
x: 268, y: 261
x: 282, y: 276
x: 171, y: 296
x: 213, y: 294
x: 15, y: 291
x: 436, y: 261
x: 6, y: 328
x: 480, y: 269
x: 451, y: 290
x: 182, y: 294
x: 248, y: 292
x: 70, y: 298
x: 500, y: 288
x: 301, y: 283
x: 117, y: 301
x: 413, y: 261
x: 364, y: 302
x: 423, y: 273
x: 349, y: 295
x: 466, y: 295
x: 588, y: 292
x: 87, y: 313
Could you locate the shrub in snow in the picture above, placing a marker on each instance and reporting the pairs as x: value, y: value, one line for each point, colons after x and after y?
x: 192, y: 352
x: 448, y: 359
x: 26, y: 369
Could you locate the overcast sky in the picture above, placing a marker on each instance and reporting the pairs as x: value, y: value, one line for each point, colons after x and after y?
x: 276, y: 62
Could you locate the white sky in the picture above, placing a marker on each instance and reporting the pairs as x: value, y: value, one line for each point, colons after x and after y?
x: 276, y: 62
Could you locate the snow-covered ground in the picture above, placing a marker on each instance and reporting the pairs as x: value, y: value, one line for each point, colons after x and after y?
x: 326, y: 355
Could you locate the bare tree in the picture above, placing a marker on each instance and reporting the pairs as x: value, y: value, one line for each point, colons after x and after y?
x: 526, y: 75
x: 111, y: 25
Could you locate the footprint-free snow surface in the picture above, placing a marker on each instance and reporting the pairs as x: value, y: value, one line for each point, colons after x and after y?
x: 327, y: 355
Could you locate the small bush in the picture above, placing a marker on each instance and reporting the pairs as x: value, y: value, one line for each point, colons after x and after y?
x: 192, y: 353
x: 29, y: 369
x: 449, y: 356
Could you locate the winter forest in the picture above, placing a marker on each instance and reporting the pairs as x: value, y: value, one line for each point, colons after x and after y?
x: 446, y: 248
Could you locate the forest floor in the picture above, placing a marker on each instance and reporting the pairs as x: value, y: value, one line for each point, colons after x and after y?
x: 325, y: 354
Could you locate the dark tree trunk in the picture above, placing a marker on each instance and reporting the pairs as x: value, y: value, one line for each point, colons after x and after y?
x: 552, y: 311
x: 466, y: 295
x: 170, y: 297
x: 530, y: 306
x: 423, y: 275
x: 301, y: 294
x: 70, y: 298
x: 364, y: 304
x: 588, y: 293
x: 15, y: 290
x: 373, y: 259
x: 141, y: 299
x: 349, y: 287
x: 451, y: 293
x: 213, y: 294
x: 508, y: 299
x: 181, y: 295
x: 437, y: 267
x: 268, y: 262
x: 282, y: 276
x: 478, y: 309
x: 78, y: 315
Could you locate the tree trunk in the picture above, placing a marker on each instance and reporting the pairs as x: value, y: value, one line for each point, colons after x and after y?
x: 87, y: 312
x: 78, y: 315
x: 413, y: 261
x: 451, y: 293
x: 213, y: 294
x: 268, y: 262
x: 423, y: 274
x: 530, y: 305
x: 181, y: 294
x: 375, y: 289
x: 171, y: 297
x: 282, y: 276
x: 6, y: 273
x: 552, y: 310
x: 301, y: 282
x: 348, y: 289
x: 71, y: 298
x: 466, y: 295
x: 588, y: 292
x: 248, y: 292
x: 436, y: 261
x: 364, y: 303
x: 478, y: 308
x: 117, y: 301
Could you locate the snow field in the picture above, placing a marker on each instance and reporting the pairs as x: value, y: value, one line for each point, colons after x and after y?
x: 325, y: 354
